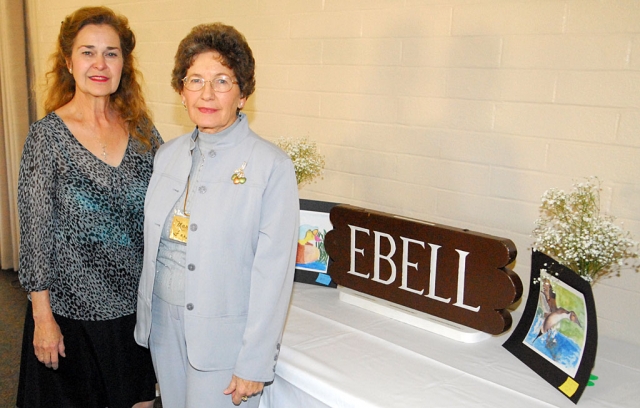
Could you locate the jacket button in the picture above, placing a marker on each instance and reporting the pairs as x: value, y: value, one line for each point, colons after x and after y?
x: 189, y: 306
x: 202, y: 189
x: 212, y: 153
x: 191, y: 267
x: 193, y: 227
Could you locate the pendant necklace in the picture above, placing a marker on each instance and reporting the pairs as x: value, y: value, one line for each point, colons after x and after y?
x: 103, y: 145
x: 104, y: 150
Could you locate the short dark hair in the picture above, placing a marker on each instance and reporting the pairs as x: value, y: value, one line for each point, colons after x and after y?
x: 233, y: 48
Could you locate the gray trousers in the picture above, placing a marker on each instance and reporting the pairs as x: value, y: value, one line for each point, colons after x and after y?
x: 181, y: 385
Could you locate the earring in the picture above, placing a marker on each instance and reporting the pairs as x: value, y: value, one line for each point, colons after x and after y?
x: 185, y: 105
x: 71, y: 71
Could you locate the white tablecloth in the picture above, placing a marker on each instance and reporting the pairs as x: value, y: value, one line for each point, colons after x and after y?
x: 337, y: 355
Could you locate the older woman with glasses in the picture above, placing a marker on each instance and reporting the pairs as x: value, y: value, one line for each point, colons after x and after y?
x: 221, y: 223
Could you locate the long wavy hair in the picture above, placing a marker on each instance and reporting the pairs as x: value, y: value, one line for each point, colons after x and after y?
x: 128, y: 100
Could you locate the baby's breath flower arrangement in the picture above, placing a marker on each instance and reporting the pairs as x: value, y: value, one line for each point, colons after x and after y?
x: 308, y: 163
x: 572, y: 230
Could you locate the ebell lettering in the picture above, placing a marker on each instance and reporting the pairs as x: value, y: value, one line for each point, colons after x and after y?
x: 377, y: 257
x: 455, y: 274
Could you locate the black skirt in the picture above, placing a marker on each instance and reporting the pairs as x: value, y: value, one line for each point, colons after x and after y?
x: 103, y: 367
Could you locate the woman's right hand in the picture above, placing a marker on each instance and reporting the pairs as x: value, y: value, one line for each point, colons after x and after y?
x: 48, y: 341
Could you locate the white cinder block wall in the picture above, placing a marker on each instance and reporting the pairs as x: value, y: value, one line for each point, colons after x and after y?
x: 461, y: 112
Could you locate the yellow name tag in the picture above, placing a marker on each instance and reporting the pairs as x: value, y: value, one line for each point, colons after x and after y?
x: 179, y: 228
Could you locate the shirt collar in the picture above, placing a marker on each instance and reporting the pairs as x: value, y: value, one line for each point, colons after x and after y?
x: 196, y: 132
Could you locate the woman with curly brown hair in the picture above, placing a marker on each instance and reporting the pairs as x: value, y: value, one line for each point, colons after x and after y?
x: 221, y: 231
x: 84, y: 172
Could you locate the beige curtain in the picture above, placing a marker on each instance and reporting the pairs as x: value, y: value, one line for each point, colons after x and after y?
x: 14, y: 123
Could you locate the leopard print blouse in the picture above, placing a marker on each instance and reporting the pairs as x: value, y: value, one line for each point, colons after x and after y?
x: 81, y: 222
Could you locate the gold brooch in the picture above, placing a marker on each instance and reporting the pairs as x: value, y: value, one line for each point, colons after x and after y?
x: 238, y: 175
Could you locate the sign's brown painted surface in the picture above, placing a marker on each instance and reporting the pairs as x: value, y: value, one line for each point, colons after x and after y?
x: 455, y: 274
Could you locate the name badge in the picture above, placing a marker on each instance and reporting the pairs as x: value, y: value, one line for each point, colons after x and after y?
x: 179, y: 228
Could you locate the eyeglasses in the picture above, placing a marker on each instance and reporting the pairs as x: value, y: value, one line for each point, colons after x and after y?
x: 221, y: 83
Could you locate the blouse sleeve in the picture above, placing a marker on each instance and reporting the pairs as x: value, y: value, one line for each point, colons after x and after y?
x: 36, y: 191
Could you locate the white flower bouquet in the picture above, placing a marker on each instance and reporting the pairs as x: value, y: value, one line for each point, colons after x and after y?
x: 572, y: 230
x: 308, y: 163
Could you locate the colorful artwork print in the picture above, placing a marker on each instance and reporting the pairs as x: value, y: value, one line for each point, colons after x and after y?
x: 557, y: 335
x: 311, y: 255
x: 559, y: 329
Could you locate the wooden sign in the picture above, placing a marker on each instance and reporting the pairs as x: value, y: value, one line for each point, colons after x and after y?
x: 458, y: 275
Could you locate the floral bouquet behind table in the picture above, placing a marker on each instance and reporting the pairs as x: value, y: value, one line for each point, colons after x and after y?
x: 308, y: 163
x: 572, y: 230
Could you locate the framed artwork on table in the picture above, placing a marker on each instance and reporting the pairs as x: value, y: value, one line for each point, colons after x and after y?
x: 312, y: 261
x: 557, y: 335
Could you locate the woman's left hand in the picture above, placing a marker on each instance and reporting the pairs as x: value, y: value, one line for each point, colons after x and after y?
x: 241, y: 389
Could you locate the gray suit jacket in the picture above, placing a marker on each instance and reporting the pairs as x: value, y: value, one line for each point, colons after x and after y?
x: 240, y: 252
